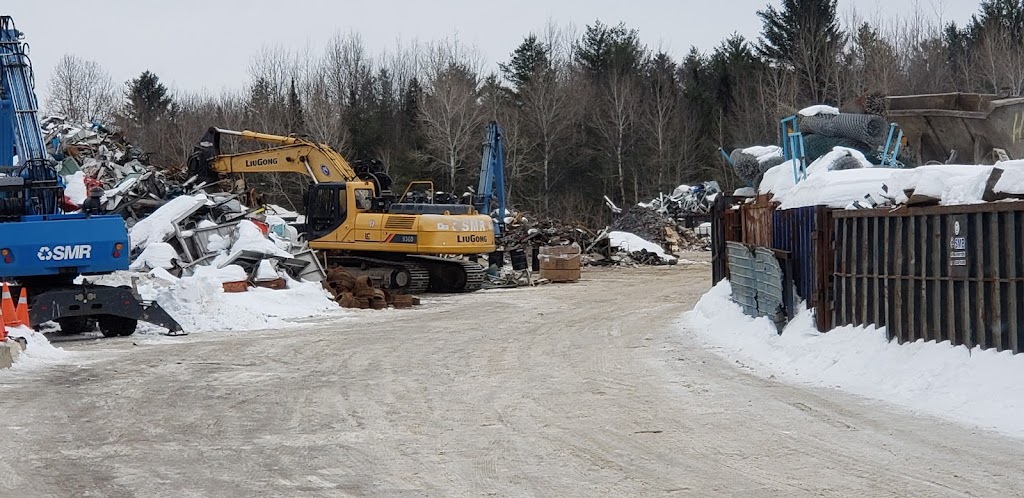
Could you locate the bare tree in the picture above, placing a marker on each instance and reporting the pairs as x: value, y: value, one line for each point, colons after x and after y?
x: 614, y: 121
x: 451, y: 114
x: 81, y: 90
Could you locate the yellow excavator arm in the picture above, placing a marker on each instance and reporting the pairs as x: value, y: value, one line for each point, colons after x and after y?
x: 288, y: 155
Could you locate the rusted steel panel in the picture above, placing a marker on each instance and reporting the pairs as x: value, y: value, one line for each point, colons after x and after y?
x: 951, y: 273
x: 757, y: 221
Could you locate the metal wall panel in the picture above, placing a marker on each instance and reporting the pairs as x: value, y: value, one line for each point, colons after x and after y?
x: 757, y: 221
x: 806, y: 233
x: 725, y: 226
x: 951, y: 273
x: 757, y: 281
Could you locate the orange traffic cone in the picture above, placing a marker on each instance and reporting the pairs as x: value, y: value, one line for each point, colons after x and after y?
x: 7, y: 308
x: 3, y: 329
x: 22, y: 312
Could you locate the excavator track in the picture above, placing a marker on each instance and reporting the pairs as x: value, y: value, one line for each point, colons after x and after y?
x: 408, y: 277
x: 416, y: 274
x: 452, y: 275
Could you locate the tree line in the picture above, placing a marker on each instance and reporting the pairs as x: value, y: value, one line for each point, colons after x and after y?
x: 587, y: 113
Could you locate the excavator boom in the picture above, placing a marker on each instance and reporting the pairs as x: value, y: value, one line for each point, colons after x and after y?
x: 289, y: 155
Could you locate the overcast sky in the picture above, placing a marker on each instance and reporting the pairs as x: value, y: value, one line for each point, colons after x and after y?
x: 194, y: 45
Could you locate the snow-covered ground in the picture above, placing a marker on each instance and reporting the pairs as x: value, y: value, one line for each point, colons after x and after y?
x: 971, y: 386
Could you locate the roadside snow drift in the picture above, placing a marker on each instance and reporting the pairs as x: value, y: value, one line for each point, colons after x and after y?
x: 38, y: 350
x: 976, y: 387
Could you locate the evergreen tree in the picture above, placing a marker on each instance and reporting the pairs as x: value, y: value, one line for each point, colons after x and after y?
x: 296, y: 121
x: 147, y: 99
x: 529, y: 58
x: 1006, y: 17
x: 804, y: 35
x: 604, y: 49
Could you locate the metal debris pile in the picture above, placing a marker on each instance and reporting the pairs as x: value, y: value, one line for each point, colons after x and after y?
x: 522, y: 231
x: 218, y: 230
x: 686, y: 202
x: 96, y: 162
x: 359, y: 292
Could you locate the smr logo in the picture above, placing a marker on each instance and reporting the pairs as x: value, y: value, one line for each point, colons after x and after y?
x: 61, y: 253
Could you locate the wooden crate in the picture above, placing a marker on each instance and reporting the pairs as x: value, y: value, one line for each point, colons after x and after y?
x: 560, y: 276
x: 560, y: 263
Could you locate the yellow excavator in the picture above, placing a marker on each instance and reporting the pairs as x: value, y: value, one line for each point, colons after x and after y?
x: 352, y: 216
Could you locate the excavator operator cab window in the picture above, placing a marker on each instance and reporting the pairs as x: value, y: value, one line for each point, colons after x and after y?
x: 364, y: 199
x: 325, y: 210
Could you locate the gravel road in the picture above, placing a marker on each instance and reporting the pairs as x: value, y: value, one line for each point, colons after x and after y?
x: 588, y: 390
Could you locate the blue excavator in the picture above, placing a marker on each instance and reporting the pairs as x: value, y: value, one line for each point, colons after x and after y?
x: 42, y: 248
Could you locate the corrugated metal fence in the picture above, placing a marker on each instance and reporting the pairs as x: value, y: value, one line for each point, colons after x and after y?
x: 937, y: 273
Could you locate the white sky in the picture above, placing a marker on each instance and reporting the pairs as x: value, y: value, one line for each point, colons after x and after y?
x: 194, y: 45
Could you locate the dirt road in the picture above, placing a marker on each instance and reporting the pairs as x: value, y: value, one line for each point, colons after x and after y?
x: 571, y: 390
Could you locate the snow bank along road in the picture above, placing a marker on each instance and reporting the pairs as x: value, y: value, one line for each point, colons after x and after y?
x: 570, y: 390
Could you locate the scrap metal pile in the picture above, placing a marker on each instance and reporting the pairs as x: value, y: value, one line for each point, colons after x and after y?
x: 670, y: 223
x: 92, y: 157
x: 176, y: 226
x: 218, y: 230
x: 858, y: 136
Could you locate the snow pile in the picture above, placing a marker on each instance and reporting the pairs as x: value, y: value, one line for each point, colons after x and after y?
x: 158, y: 226
x: 815, y: 110
x: 1011, y: 182
x: 765, y: 154
x: 200, y: 304
x: 839, y: 158
x: 836, y: 189
x: 632, y: 243
x: 951, y: 184
x: 156, y: 255
x: 38, y: 350
x: 973, y: 386
x: 251, y: 238
x: 75, y: 188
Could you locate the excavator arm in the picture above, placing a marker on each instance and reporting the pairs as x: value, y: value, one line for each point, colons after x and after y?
x: 289, y: 154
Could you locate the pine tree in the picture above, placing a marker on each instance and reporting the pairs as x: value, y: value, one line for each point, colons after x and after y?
x: 804, y: 35
x: 529, y: 58
x: 605, y: 49
x: 147, y: 99
x: 296, y: 121
x: 1006, y: 17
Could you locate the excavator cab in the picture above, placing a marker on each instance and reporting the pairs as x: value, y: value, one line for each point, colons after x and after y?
x: 326, y: 209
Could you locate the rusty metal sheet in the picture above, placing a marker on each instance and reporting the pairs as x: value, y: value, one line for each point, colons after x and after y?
x: 757, y: 221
